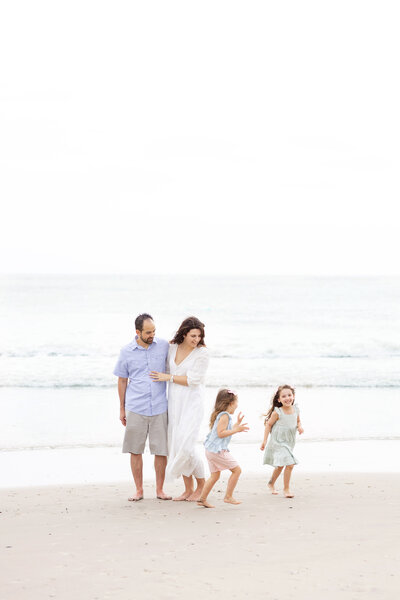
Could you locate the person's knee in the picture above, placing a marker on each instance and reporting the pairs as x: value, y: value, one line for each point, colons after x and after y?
x: 289, y: 467
x: 136, y: 461
x: 236, y: 470
x: 216, y: 475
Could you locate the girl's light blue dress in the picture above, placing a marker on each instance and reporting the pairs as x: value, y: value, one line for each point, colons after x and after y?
x: 213, y: 443
x: 281, y: 441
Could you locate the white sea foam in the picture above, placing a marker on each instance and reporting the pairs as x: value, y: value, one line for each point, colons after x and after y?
x: 67, y: 331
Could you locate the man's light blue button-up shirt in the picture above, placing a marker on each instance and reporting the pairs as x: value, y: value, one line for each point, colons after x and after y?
x: 143, y: 395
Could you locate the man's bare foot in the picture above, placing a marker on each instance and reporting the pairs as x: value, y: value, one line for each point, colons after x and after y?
x: 288, y: 494
x: 272, y: 489
x: 163, y: 496
x: 138, y: 496
x: 183, y: 496
x: 232, y: 501
x: 195, y: 496
x: 204, y: 503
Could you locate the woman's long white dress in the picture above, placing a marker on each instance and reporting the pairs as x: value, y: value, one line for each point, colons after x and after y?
x: 185, y: 413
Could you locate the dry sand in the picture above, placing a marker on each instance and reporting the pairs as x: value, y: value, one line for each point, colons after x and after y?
x: 338, y: 538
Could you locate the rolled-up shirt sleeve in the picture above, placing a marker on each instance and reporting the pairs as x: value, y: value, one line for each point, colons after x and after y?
x: 121, y: 368
x: 196, y: 375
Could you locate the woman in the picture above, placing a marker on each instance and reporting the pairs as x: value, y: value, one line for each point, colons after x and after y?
x: 187, y: 365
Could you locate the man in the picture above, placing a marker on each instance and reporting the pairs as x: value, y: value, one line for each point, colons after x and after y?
x: 143, y: 402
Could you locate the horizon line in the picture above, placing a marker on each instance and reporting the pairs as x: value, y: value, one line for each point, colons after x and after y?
x: 203, y: 274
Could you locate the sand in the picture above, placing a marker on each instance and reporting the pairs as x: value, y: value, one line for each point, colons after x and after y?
x: 337, y: 539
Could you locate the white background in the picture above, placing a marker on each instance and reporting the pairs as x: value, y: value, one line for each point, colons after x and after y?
x: 199, y: 137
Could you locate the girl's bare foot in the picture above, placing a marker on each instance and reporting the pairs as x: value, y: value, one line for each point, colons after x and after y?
x: 204, y: 503
x: 232, y: 501
x: 288, y: 494
x: 196, y: 495
x: 183, y: 496
x: 272, y: 489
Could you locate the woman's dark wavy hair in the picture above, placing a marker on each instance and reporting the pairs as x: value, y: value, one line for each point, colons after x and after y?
x: 184, y: 328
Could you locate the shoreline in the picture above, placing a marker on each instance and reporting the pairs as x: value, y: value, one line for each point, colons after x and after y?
x: 94, y: 465
x: 335, y: 539
x: 90, y: 416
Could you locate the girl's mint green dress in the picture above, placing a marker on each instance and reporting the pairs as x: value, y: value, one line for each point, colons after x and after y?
x: 281, y: 441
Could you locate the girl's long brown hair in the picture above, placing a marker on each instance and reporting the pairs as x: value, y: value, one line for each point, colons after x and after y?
x: 275, y: 403
x: 184, y: 328
x: 222, y: 402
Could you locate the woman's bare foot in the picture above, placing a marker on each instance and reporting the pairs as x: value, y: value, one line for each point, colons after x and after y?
x: 138, y: 496
x: 204, y: 503
x: 272, y: 488
x: 163, y: 496
x: 195, y: 496
x: 288, y: 494
x: 183, y: 496
x: 232, y: 501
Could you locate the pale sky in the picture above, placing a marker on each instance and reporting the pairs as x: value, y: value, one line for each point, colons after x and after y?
x: 200, y: 137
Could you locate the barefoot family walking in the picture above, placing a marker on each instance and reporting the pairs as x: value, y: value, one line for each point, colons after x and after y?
x: 143, y: 368
x: 218, y: 456
x: 143, y: 402
x: 281, y: 423
x: 187, y: 366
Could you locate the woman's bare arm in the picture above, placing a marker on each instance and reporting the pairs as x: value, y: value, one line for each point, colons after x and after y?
x: 179, y: 379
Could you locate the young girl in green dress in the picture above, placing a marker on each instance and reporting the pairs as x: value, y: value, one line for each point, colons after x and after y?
x: 281, y: 423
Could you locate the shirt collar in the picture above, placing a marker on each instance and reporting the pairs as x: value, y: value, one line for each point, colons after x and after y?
x: 135, y: 346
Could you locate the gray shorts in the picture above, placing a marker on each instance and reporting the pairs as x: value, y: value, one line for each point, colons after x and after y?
x: 138, y: 427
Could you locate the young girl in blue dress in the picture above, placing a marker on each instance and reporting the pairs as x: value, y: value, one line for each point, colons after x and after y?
x: 281, y: 424
x: 218, y: 456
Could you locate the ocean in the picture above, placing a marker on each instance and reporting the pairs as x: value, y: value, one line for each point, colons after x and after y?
x: 66, y: 331
x: 336, y: 340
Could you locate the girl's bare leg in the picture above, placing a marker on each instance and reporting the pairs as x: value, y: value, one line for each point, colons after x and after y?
x: 271, y: 483
x: 197, y: 492
x: 232, y: 481
x: 286, y: 480
x: 188, y: 481
x: 208, y: 486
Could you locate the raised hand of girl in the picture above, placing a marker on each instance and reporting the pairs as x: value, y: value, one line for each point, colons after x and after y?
x: 239, y: 427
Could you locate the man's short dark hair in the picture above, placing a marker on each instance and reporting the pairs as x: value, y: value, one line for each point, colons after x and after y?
x: 140, y: 319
